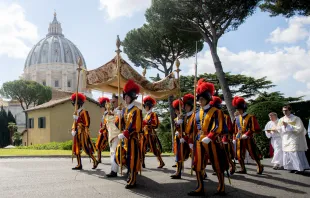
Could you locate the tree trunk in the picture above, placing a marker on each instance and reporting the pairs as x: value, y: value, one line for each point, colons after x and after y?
x: 223, y: 82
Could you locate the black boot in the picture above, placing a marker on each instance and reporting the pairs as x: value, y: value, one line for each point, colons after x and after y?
x: 112, y: 174
x: 77, y: 168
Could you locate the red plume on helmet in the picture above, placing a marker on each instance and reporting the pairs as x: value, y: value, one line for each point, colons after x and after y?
x: 131, y: 89
x: 215, y: 101
x: 204, y: 89
x: 81, y: 97
x: 239, y: 102
x: 149, y: 99
x: 189, y: 99
x: 103, y: 100
x: 176, y: 103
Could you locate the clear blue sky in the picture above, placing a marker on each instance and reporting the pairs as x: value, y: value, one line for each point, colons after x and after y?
x: 283, y: 59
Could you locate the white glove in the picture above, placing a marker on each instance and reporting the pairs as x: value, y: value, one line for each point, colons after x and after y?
x: 121, y: 136
x: 177, y: 133
x: 75, y: 117
x: 244, y: 136
x: 180, y: 121
x: 182, y: 140
x: 191, y: 146
x: 206, y: 140
x: 99, y: 132
x: 73, y: 132
x: 234, y: 141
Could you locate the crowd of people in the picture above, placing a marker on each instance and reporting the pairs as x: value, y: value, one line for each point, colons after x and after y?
x: 205, y: 135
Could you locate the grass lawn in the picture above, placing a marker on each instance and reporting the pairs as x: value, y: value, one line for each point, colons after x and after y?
x: 29, y: 152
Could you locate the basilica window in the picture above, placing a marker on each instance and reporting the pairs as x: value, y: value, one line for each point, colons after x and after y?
x: 69, y: 83
x: 44, y: 83
x: 56, y: 83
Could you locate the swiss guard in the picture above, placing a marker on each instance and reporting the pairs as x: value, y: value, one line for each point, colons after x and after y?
x: 245, y: 127
x: 131, y: 118
x: 80, y: 133
x: 181, y: 147
x: 211, y: 125
x: 150, y: 138
x: 102, y: 140
x: 226, y: 138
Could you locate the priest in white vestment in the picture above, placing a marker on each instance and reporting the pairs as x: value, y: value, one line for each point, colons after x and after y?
x: 113, y: 134
x: 276, y: 141
x: 294, y: 142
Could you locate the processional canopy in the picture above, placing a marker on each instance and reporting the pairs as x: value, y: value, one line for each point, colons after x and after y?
x: 105, y: 78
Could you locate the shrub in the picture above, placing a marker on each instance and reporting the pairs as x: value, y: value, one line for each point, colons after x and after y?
x: 55, y: 146
x: 261, y: 111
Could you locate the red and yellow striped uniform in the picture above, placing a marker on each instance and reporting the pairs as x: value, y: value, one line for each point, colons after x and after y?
x: 132, y: 125
x: 228, y: 144
x: 102, y: 140
x: 150, y: 138
x: 247, y: 124
x: 82, y: 140
x: 210, y: 123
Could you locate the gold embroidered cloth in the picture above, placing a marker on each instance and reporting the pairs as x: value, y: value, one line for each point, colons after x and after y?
x: 105, y: 79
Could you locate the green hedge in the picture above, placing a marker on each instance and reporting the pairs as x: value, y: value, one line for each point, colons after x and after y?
x: 54, y: 146
x: 261, y: 111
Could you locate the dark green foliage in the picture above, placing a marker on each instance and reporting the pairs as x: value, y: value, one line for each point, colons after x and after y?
x: 11, y: 117
x: 241, y: 85
x: 274, y: 96
x: 55, y: 146
x: 153, y: 47
x: 287, y: 8
x: 302, y: 110
x: 17, y: 139
x: 164, y: 134
x: 261, y: 111
x: 26, y: 92
x: 4, y: 131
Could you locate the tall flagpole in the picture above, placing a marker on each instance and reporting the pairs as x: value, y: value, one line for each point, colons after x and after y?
x: 195, y: 106
x: 180, y: 108
x: 142, y: 136
x: 76, y: 96
x: 118, y: 58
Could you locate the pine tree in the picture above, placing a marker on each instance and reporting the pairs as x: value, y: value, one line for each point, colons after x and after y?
x: 11, y: 117
x: 1, y: 129
x: 5, y: 134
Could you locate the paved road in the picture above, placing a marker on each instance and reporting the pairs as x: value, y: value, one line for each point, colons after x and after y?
x: 53, y: 177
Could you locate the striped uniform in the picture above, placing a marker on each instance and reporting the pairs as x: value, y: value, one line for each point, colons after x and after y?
x: 82, y: 140
x: 210, y: 123
x: 150, y: 138
x: 247, y: 124
x: 102, y: 140
x: 132, y: 125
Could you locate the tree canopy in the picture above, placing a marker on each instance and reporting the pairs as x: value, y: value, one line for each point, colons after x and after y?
x: 274, y: 96
x: 209, y: 18
x: 287, y: 8
x: 26, y: 92
x: 241, y: 85
x: 154, y: 47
